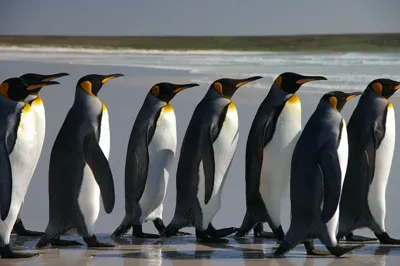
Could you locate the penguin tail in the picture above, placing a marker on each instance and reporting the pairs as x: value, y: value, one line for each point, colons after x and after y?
x: 123, y: 228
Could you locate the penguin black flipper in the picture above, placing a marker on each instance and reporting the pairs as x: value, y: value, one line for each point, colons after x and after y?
x: 329, y: 165
x: 100, y: 167
x: 5, y: 182
x: 208, y: 164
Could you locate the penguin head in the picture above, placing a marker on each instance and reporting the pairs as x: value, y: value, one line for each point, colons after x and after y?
x: 227, y: 87
x: 92, y: 84
x: 166, y: 91
x: 338, y: 98
x: 18, y: 89
x: 384, y: 87
x: 290, y: 82
x: 40, y: 77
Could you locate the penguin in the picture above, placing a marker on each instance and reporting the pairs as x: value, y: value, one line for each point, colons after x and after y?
x: 36, y: 102
x: 270, y: 144
x: 207, y: 150
x: 318, y: 168
x: 17, y: 147
x: 371, y: 131
x: 79, y: 171
x: 149, y: 158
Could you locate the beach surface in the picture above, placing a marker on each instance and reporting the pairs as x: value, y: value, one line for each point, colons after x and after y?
x: 124, y: 97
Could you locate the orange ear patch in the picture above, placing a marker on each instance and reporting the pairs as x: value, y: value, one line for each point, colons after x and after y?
x: 4, y: 89
x: 377, y: 87
x: 155, y: 91
x: 278, y: 82
x: 218, y: 88
x: 333, y: 102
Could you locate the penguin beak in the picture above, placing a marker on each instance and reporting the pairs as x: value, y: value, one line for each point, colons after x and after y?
x: 107, y: 78
x: 32, y: 85
x: 184, y: 86
x: 54, y: 76
x: 397, y: 87
x: 241, y: 82
x: 352, y: 95
x: 309, y: 78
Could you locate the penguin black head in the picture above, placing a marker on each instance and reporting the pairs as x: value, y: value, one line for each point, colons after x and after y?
x: 384, y: 87
x: 166, y: 91
x: 338, y: 98
x: 93, y: 83
x: 40, y: 77
x: 290, y: 82
x: 18, y: 89
x: 227, y: 87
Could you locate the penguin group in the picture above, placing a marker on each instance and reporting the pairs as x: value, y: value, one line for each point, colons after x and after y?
x: 335, y: 173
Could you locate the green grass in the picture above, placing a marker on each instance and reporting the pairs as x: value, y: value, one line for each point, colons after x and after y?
x: 306, y: 43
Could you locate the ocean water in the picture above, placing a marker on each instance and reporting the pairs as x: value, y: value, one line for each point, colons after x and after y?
x: 345, y: 71
x: 124, y: 97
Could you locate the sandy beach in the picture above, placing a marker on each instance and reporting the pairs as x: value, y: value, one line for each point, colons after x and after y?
x: 124, y: 97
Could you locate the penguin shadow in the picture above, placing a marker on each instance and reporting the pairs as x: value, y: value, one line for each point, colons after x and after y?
x: 67, y: 257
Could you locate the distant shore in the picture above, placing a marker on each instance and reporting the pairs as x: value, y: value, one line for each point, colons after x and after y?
x: 299, y: 43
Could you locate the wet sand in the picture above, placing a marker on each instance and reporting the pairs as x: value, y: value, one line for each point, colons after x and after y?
x: 124, y: 97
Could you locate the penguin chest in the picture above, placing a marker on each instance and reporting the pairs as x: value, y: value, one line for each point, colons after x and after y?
x: 224, y: 148
x: 21, y: 156
x: 38, y: 109
x: 343, y: 151
x: 277, y: 155
x: 89, y: 194
x: 383, y: 162
x: 161, y: 150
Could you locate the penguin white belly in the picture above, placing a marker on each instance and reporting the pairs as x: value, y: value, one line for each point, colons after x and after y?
x: 277, y: 155
x: 89, y: 194
x: 343, y: 154
x: 38, y: 109
x: 224, y: 149
x: 161, y: 155
x: 383, y: 162
x: 21, y: 167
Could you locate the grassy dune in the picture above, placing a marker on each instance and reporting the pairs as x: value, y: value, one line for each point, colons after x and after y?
x: 309, y: 43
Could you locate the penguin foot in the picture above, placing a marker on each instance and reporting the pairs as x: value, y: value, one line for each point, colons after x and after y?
x: 144, y: 235
x: 203, y: 237
x: 264, y: 235
x: 92, y: 242
x: 339, y: 251
x: 355, y: 238
x: 312, y: 251
x: 180, y: 233
x: 121, y: 230
x: 222, y: 232
x: 284, y: 247
x: 385, y: 239
x: 7, y: 253
x: 240, y: 233
x: 64, y: 243
x: 20, y: 230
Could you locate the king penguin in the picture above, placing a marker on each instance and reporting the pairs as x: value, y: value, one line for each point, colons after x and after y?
x: 18, y: 144
x: 318, y: 168
x: 36, y: 102
x: 79, y: 171
x: 205, y: 158
x: 270, y: 144
x: 371, y: 131
x: 150, y: 154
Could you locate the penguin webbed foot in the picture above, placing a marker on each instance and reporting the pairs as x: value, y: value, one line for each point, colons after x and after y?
x: 20, y: 230
x: 217, y: 233
x: 203, y: 237
x: 7, y: 253
x: 356, y: 238
x: 339, y: 251
x: 145, y: 235
x: 312, y: 251
x: 121, y: 230
x: 92, y: 242
x: 264, y: 234
x: 385, y: 239
x: 283, y: 248
x: 64, y: 243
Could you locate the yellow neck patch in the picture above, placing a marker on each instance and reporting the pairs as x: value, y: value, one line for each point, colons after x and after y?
x: 168, y: 108
x: 37, y: 101
x: 293, y: 100
x: 231, y: 107
x: 27, y: 108
x: 103, y: 107
x: 333, y: 102
x: 390, y: 105
x: 87, y: 86
x: 4, y: 90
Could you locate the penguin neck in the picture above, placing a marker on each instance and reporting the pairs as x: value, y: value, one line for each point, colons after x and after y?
x: 277, y: 96
x: 327, y: 110
x: 85, y: 100
x: 213, y: 95
x: 154, y: 102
